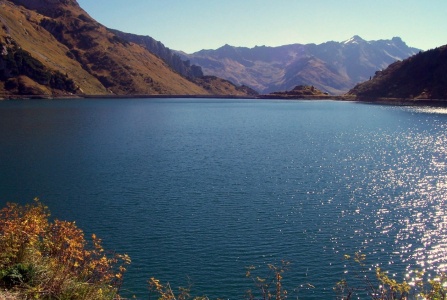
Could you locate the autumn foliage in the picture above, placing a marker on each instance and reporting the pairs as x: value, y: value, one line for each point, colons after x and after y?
x: 45, y: 259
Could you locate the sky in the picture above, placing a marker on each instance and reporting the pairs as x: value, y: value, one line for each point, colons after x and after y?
x: 193, y: 25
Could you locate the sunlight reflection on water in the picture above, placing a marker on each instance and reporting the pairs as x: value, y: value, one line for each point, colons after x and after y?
x: 414, y: 183
x: 402, y: 194
x: 430, y: 110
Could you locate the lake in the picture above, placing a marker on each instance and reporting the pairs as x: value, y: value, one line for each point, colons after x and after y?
x: 196, y: 190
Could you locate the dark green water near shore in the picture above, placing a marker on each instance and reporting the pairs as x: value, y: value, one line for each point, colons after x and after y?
x: 202, y: 188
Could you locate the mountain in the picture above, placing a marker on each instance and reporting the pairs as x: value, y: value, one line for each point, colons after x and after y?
x: 422, y: 76
x: 332, y: 67
x: 53, y: 47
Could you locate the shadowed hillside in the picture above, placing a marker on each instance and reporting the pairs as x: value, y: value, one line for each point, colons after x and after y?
x: 422, y: 76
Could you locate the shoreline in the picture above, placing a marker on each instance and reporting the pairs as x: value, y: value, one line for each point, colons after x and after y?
x: 368, y: 100
x: 135, y: 96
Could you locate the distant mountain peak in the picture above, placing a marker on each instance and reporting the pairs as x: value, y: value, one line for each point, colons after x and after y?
x: 226, y: 46
x: 354, y: 40
x: 398, y: 41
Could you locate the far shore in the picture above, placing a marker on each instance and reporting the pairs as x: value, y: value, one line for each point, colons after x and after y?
x: 370, y: 100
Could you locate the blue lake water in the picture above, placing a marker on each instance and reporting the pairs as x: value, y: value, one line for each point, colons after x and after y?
x: 195, y: 190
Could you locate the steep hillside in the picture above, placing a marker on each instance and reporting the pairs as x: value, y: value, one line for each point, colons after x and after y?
x: 422, y: 76
x: 183, y: 67
x: 332, y: 67
x: 62, y: 43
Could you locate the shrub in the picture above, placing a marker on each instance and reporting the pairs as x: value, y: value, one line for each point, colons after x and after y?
x: 269, y: 286
x: 17, y: 275
x: 46, y: 260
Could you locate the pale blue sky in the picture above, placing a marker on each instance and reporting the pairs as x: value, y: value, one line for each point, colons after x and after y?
x: 192, y: 25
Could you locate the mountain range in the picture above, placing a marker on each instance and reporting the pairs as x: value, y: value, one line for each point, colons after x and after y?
x: 333, y: 67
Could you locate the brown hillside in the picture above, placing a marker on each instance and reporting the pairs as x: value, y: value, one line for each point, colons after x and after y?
x: 66, y: 44
x: 19, y: 28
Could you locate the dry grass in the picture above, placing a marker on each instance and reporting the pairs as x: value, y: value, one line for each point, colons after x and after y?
x: 5, y: 295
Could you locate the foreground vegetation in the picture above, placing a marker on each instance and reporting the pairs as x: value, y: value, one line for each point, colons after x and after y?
x: 40, y: 259
x: 43, y: 259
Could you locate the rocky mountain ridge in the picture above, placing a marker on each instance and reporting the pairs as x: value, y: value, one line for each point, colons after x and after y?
x: 332, y: 67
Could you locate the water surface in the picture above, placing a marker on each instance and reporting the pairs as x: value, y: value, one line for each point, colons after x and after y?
x: 198, y: 189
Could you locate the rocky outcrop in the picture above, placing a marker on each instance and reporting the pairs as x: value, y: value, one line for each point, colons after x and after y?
x: 24, y: 74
